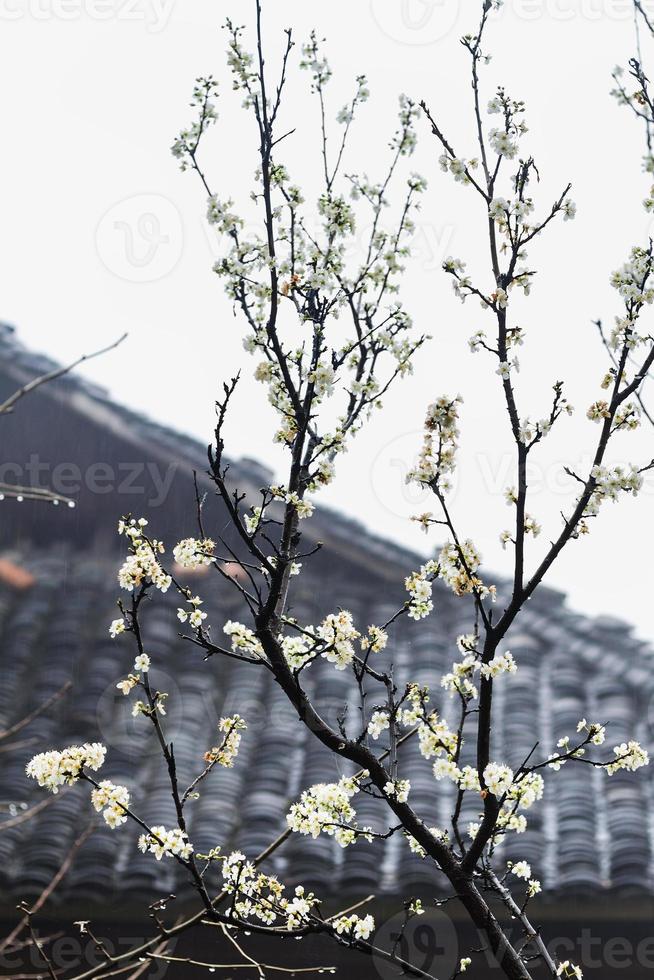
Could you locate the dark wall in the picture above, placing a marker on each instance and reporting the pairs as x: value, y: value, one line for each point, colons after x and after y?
x: 46, y: 442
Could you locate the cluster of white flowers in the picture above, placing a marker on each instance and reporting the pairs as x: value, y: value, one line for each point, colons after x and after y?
x: 195, y: 616
x: 611, y: 481
x: 632, y: 279
x: 338, y: 632
x: 338, y: 216
x: 598, y: 411
x: 446, y: 769
x: 461, y: 283
x: 458, y: 680
x: 142, y: 666
x: 142, y: 564
x: 520, y: 794
x: 419, y: 585
x: 310, y: 270
x: 253, y: 520
x: 435, y: 738
x: 116, y: 627
x: 322, y: 475
x: 160, y: 842
x: 531, y: 526
x: 438, y: 454
x: 302, y: 268
x: 504, y: 368
x: 186, y: 142
x: 568, y: 969
x: 416, y: 848
x: 399, y: 790
x: 191, y: 553
x: 522, y: 869
x: 353, y: 926
x: 569, y: 210
x: 303, y: 508
x: 261, y: 897
x: 627, y: 416
x: 128, y: 684
x: 315, y: 62
x: 149, y: 710
x: 404, y: 141
x: 298, y: 650
x: 596, y: 732
x: 503, y: 143
x: 526, y: 790
x: 295, y: 566
x: 458, y: 167
x: 498, y: 778
x: 630, y: 755
x: 326, y: 808
x: 243, y: 639
x: 529, y: 431
x: 220, y: 215
x: 240, y: 61
x: 346, y: 114
x: 379, y: 722
x: 55, y: 768
x: 457, y: 566
x: 226, y: 753
x: 376, y: 639
x: 113, y: 800
x: 502, y: 663
x: 510, y: 215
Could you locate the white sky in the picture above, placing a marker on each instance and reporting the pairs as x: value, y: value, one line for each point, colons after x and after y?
x: 102, y: 233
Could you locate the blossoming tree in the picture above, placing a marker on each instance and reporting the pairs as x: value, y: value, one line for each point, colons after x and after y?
x: 330, y: 336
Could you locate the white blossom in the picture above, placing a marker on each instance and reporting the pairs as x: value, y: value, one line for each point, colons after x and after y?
x: 113, y: 800
x: 55, y: 768
x: 171, y: 843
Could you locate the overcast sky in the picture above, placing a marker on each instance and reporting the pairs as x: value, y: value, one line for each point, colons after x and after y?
x: 102, y: 233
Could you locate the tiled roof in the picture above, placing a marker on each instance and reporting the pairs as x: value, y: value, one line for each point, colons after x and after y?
x: 586, y: 835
